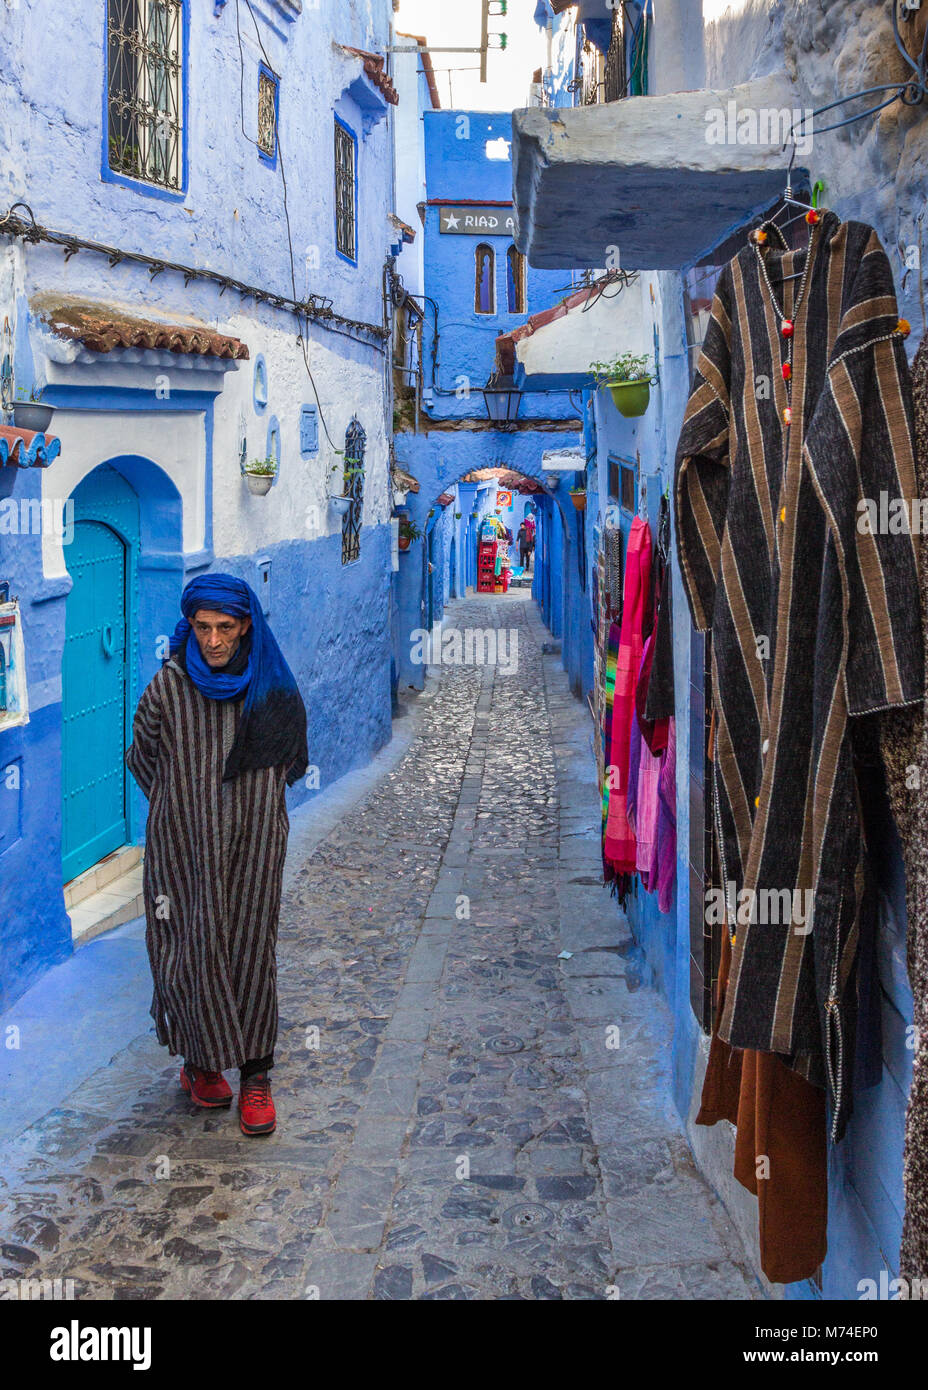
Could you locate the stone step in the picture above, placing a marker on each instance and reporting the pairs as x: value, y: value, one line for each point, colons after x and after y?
x: 120, y: 901
x: 99, y: 875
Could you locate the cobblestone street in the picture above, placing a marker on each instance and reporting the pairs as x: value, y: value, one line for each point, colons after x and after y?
x: 463, y: 1129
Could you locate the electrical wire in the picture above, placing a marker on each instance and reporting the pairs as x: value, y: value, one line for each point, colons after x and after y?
x: 317, y: 309
x: 911, y: 92
x: 301, y: 336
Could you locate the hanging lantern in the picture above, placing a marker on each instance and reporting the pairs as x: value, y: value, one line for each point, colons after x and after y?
x: 503, y: 398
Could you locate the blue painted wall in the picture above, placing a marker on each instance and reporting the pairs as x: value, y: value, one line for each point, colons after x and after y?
x: 230, y: 216
x: 459, y: 354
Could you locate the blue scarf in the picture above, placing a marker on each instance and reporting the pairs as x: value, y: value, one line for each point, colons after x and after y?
x: 272, y: 727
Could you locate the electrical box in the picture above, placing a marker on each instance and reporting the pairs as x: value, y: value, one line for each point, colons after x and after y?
x: 264, y: 585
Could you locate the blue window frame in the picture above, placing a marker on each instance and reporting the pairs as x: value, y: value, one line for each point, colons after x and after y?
x: 268, y: 114
x: 515, y: 280
x: 309, y: 431
x: 484, y: 279
x: 346, y: 192
x: 259, y: 393
x: 145, y: 96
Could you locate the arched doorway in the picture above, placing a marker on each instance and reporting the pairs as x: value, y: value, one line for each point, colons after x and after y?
x: 97, y: 662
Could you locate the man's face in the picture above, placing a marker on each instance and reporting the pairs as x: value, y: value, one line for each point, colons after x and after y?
x: 218, y: 635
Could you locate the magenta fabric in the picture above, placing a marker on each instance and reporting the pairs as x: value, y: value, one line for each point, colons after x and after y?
x: 619, y: 845
x: 634, y: 765
x: 666, y: 838
x: 644, y: 769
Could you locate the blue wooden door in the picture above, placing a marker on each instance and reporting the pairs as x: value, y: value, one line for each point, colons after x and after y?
x: 94, y: 676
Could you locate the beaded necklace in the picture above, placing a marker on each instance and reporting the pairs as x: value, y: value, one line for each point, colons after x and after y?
x: 787, y: 326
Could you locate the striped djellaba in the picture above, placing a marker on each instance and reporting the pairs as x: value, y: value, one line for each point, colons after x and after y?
x: 214, y: 857
x: 814, y: 619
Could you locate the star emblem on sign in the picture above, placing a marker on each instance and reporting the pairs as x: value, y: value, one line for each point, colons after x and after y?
x: 451, y: 220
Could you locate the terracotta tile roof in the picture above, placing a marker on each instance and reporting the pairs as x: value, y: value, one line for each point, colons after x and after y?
x: 27, y: 448
x: 403, y: 481
x: 408, y: 233
x: 445, y: 499
x: 375, y: 69
x: 506, y: 477
x: 102, y: 327
x: 506, y: 342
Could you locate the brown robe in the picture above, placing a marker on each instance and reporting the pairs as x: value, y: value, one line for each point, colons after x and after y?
x: 780, y: 1147
x: 212, y: 878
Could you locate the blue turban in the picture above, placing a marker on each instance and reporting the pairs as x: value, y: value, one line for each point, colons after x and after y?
x: 272, y: 727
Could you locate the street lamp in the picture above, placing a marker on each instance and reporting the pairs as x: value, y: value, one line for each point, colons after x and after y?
x: 503, y: 398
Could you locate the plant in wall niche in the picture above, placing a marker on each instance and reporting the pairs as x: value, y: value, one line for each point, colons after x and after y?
x: 28, y: 411
x: 260, y: 475
x: 409, y: 532
x: 628, y: 379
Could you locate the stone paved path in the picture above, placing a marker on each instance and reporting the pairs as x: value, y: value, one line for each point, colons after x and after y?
x: 462, y: 1130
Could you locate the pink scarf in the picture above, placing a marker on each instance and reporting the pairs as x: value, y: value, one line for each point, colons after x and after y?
x: 620, y: 846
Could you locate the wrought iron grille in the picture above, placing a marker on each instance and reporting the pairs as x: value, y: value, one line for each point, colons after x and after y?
x: 355, y: 440
x: 345, y: 220
x: 614, y: 83
x: 267, y: 114
x: 145, y: 40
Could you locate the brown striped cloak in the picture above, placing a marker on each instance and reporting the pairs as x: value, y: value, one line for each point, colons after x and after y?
x: 814, y: 620
x: 214, y: 857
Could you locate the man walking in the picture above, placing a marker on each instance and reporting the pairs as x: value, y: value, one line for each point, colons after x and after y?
x: 219, y: 731
x: 526, y: 542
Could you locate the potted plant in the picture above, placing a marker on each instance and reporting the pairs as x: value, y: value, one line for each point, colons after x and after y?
x: 458, y: 515
x: 260, y: 475
x: 409, y: 532
x: 628, y: 379
x: 341, y: 501
x: 578, y: 497
x: 30, y: 414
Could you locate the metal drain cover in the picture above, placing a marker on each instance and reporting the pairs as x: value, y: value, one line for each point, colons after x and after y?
x: 528, y: 1216
x: 505, y: 1042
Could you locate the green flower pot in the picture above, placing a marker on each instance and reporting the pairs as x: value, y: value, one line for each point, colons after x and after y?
x: 631, y: 398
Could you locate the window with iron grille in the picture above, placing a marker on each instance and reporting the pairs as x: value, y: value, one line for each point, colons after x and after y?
x: 484, y: 279
x: 145, y: 90
x: 346, y: 153
x: 355, y: 439
x: 268, y: 97
x: 515, y: 280
x: 614, y: 84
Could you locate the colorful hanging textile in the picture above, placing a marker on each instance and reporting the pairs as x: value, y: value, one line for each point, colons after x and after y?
x: 612, y: 656
x: 619, y: 838
x: 814, y: 621
x: 643, y: 774
x: 666, y: 838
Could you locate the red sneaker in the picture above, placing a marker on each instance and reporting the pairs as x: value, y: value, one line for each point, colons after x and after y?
x: 256, y: 1109
x: 207, y: 1088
